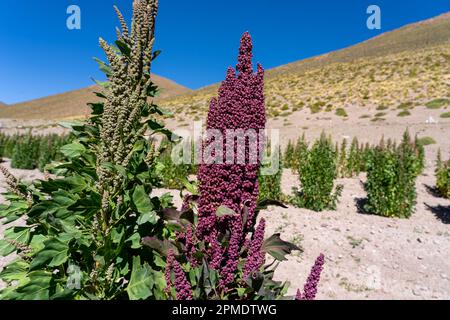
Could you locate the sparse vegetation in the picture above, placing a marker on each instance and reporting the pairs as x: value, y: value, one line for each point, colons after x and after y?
x: 341, y: 112
x: 425, y: 141
x: 404, y: 113
x: 437, y: 103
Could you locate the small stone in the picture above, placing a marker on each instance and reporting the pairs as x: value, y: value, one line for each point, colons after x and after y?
x: 420, y: 257
x: 418, y: 240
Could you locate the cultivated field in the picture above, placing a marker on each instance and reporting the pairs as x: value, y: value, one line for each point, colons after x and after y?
x: 100, y: 214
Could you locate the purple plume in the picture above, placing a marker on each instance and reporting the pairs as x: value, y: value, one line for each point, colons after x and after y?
x: 239, y: 105
x: 310, y: 288
x: 255, y: 257
x: 182, y: 286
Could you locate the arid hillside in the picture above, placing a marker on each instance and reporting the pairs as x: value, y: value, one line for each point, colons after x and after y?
x: 397, y: 70
x: 73, y: 104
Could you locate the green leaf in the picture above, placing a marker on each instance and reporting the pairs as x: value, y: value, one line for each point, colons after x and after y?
x: 38, y: 287
x: 147, y: 217
x: 6, y: 248
x: 73, y: 150
x: 241, y: 292
x: 135, y: 240
x: 190, y: 186
x: 103, y: 84
x: 155, y: 54
x: 161, y: 111
x: 141, y: 281
x: 123, y: 47
x: 15, y: 271
x: 97, y: 108
x: 14, y: 234
x: 54, y: 253
x: 278, y: 248
x: 224, y: 211
x: 144, y: 205
x: 106, y: 69
x: 116, y: 236
x: 152, y: 124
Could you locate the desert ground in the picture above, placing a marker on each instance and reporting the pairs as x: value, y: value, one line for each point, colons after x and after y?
x: 367, y: 256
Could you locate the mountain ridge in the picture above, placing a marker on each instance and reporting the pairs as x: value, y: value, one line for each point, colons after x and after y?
x: 73, y: 103
x: 426, y: 39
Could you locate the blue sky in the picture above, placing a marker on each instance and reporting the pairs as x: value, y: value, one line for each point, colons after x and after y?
x: 39, y: 56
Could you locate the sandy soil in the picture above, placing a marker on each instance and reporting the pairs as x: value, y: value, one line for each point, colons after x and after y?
x: 367, y: 257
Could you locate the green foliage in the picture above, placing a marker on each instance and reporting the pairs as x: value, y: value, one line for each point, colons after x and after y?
x: 354, y: 161
x: 317, y: 175
x: 341, y: 155
x: 174, y: 175
x: 25, y: 153
x: 442, y: 176
x: 270, y: 179
x: 295, y: 154
x: 405, y: 105
x: 95, y: 231
x: 425, y: 141
x: 341, y: 112
x: 404, y: 113
x: 437, y: 103
x: 317, y: 106
x: 391, y: 176
x: 28, y: 151
x: 83, y: 230
x: 445, y: 115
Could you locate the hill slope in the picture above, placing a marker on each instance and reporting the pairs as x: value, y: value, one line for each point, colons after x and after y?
x: 407, y: 65
x: 73, y: 103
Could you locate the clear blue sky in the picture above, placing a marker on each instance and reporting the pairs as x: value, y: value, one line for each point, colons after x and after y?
x: 39, y: 56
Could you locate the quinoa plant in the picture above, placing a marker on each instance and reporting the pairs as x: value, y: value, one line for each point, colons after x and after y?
x: 442, y: 176
x: 25, y: 153
x: 317, y: 175
x: 342, y: 160
x: 288, y: 157
x: 224, y: 251
x: 391, y: 175
x: 84, y: 229
x: 354, y: 159
x: 96, y: 232
x: 31, y: 151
